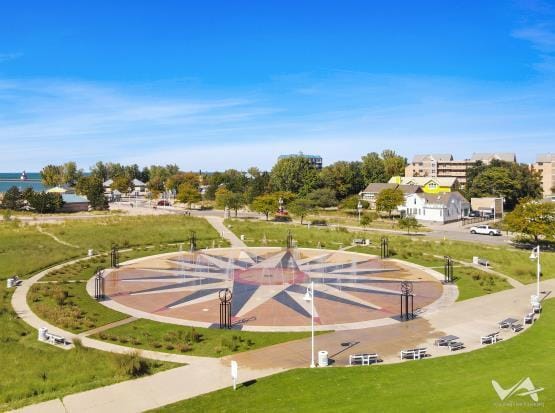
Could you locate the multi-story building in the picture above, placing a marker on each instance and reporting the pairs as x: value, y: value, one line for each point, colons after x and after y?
x: 315, y: 160
x: 545, y: 165
x: 443, y: 165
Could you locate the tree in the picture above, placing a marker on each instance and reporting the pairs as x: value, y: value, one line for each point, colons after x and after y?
x: 508, y: 180
x: 122, y: 184
x: 408, y: 223
x: 373, y: 168
x: 301, y: 207
x: 394, y: 164
x: 534, y: 219
x: 12, y: 199
x: 365, y: 220
x: 352, y: 203
x: 265, y: 204
x: 232, y: 200
x: 343, y: 177
x: 258, y: 183
x: 323, y: 197
x: 187, y: 194
x: 155, y: 184
x: 295, y: 174
x: 389, y: 199
x: 92, y: 187
x: 45, y: 202
x: 174, y: 181
x: 52, y: 175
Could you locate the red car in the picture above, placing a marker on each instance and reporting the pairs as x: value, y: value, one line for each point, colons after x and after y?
x: 163, y: 202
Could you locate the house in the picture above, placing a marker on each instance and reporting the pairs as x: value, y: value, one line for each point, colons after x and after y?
x: 436, y: 208
x: 139, y: 187
x: 429, y: 185
x: 372, y: 190
x: 74, y: 203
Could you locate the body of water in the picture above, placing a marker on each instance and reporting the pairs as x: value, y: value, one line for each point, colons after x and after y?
x: 9, y: 179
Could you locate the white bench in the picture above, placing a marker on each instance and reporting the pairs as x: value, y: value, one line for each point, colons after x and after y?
x: 414, y: 353
x: 56, y: 339
x: 537, y: 307
x: 517, y: 327
x: 528, y: 318
x: 363, y: 359
x: 455, y: 345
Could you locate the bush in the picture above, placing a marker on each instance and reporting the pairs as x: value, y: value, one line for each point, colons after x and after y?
x: 131, y: 364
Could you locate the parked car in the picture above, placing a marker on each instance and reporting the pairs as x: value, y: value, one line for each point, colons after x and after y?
x: 474, y: 214
x: 488, y: 215
x: 163, y: 202
x: 485, y: 230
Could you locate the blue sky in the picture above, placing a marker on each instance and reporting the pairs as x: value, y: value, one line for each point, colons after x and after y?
x: 214, y: 85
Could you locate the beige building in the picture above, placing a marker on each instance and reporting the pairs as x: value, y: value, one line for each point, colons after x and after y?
x: 545, y: 165
x: 443, y: 165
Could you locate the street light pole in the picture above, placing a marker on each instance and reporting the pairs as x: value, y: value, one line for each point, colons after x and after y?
x: 309, y: 296
x: 535, y: 255
x: 359, y: 207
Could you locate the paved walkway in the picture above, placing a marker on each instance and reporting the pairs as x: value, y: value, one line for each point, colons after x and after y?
x: 468, y: 319
x: 218, y: 224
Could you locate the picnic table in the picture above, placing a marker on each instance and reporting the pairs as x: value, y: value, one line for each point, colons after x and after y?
x: 508, y: 322
x: 490, y: 338
x: 413, y: 353
x: 445, y: 340
x: 364, y: 359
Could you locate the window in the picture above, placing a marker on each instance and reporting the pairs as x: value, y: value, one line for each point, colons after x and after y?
x: 432, y: 185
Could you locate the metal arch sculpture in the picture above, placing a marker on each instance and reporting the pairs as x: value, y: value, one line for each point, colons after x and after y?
x: 406, y: 297
x: 448, y: 269
x: 225, y: 297
x: 99, y: 284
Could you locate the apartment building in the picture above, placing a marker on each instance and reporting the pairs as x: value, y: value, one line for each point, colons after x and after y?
x: 545, y: 165
x: 444, y: 165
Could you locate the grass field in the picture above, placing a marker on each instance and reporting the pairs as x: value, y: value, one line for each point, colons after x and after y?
x: 460, y: 383
x: 34, y: 371
x: 507, y: 260
x: 150, y: 335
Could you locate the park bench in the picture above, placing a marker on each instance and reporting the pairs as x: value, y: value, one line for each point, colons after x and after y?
x: 56, y: 339
x: 490, y: 338
x: 528, y: 318
x: 413, y: 353
x: 483, y: 262
x: 364, y: 359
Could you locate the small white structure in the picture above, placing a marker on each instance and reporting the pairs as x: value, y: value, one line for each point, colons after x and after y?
x: 440, y: 208
x: 43, y: 334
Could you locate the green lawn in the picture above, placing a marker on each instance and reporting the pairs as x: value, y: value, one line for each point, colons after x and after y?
x: 34, y: 371
x: 460, y: 383
x: 150, y: 335
x: 504, y: 259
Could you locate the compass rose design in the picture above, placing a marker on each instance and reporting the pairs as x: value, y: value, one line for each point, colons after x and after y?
x: 267, y: 285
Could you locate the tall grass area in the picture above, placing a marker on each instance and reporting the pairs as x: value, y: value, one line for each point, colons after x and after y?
x: 460, y: 383
x: 504, y: 259
x: 150, y: 335
x: 34, y: 371
x: 69, y: 306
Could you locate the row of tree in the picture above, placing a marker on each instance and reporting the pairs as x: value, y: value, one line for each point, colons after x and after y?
x: 41, y: 202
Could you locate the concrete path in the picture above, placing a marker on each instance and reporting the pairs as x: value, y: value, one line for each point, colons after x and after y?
x: 218, y: 224
x: 150, y: 392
